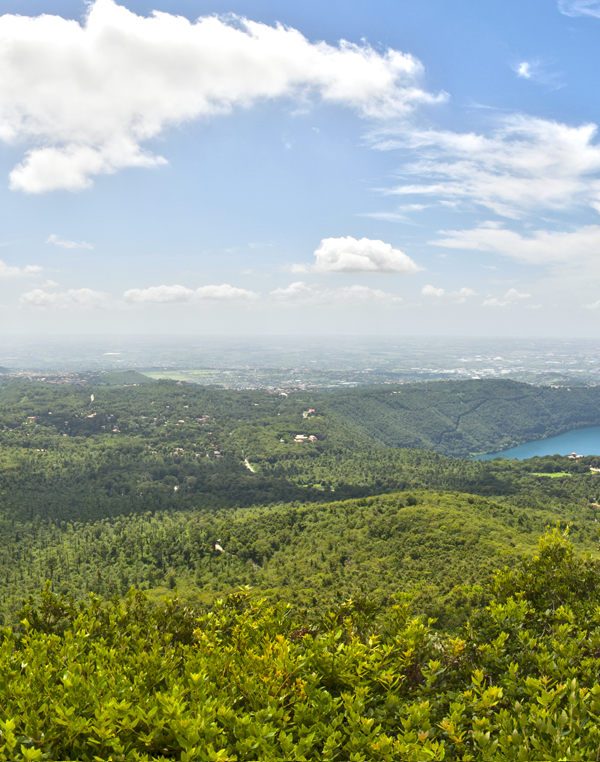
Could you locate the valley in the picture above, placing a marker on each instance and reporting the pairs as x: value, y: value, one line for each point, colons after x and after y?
x: 105, y: 487
x: 192, y: 572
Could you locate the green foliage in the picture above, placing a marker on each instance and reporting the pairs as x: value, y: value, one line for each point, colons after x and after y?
x: 250, y: 680
x: 126, y: 489
x: 461, y: 418
x: 440, y: 547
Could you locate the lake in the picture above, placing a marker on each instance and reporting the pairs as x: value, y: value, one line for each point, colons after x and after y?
x: 581, y: 441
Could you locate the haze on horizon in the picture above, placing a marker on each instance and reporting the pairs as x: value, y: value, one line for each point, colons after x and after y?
x: 355, y: 168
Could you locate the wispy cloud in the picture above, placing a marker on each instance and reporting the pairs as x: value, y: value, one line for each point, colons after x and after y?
x: 398, y: 215
x: 579, y: 7
x: 541, y: 247
x: 538, y: 72
x: 88, y: 96
x: 58, y: 241
x: 523, y: 166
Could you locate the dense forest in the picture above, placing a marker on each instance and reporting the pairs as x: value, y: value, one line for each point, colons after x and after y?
x: 252, y: 680
x: 309, y: 522
x: 169, y: 485
x: 463, y: 418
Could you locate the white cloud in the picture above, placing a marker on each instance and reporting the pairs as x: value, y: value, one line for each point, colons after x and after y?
x: 579, y: 7
x: 539, y: 72
x: 509, y: 297
x: 524, y: 165
x: 494, y: 302
x: 11, y: 271
x: 225, y: 292
x: 58, y: 241
x: 349, y: 255
x: 593, y: 306
x: 74, y: 297
x: 363, y: 294
x: 159, y: 295
x: 462, y: 294
x: 524, y: 70
x: 180, y: 294
x: 397, y: 216
x: 297, y: 290
x: 301, y: 293
x: 540, y: 248
x: 88, y: 96
x: 512, y: 293
x: 386, y: 216
x: 432, y: 291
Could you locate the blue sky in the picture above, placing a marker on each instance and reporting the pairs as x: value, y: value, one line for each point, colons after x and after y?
x: 212, y: 167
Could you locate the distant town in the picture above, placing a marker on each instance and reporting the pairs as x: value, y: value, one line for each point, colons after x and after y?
x: 292, y: 363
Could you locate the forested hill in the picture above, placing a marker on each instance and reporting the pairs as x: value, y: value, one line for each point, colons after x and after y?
x: 462, y: 418
x: 310, y: 499
x: 82, y: 468
x: 457, y: 419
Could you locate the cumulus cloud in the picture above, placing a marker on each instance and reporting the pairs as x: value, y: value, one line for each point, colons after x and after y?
x: 301, y: 293
x: 84, y: 298
x: 297, y: 290
x: 579, y: 7
x: 12, y: 271
x: 593, y: 306
x: 512, y: 295
x: 432, y: 291
x: 494, y: 302
x: 539, y: 248
x: 58, y: 241
x: 349, y: 255
x: 180, y: 294
x: 463, y: 293
x: 526, y: 164
x: 88, y: 96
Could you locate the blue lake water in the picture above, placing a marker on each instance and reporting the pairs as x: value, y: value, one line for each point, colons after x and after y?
x: 581, y: 441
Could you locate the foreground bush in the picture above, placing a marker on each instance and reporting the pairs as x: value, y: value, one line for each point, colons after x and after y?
x: 245, y: 681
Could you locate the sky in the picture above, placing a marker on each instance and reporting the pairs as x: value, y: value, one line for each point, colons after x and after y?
x: 389, y: 167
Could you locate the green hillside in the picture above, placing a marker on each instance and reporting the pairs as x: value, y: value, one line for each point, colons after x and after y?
x: 324, y: 504
x: 462, y: 418
x: 250, y: 680
x: 99, y: 494
x: 438, y: 546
